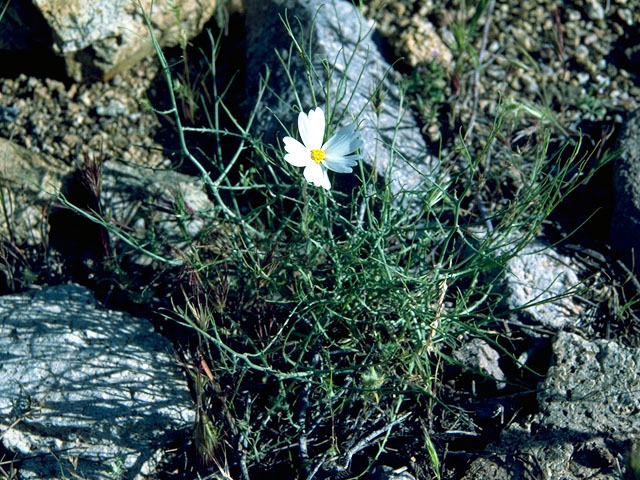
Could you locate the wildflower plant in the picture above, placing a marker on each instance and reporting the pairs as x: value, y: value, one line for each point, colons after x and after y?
x: 321, y: 322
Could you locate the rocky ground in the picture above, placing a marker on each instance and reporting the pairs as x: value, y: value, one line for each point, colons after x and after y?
x: 580, y: 59
x: 574, y: 66
x: 66, y: 120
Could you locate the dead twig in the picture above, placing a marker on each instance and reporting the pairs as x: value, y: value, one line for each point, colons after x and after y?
x: 302, y: 419
x: 366, y: 441
x: 630, y: 275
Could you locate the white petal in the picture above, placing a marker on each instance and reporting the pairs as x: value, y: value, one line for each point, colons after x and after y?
x: 297, y: 154
x: 326, y: 184
x: 311, y: 128
x: 341, y: 164
x: 315, y: 174
x: 316, y: 119
x: 345, y: 141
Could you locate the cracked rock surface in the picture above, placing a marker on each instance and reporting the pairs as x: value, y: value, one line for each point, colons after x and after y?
x: 84, y: 390
x: 587, y: 422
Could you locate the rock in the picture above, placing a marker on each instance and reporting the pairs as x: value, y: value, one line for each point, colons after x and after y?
x: 496, y: 467
x: 594, y: 10
x: 625, y: 222
x: 25, y: 179
x: 337, y: 28
x: 409, y: 31
x: 591, y: 387
x: 102, y: 38
x: 535, y: 275
x: 421, y: 44
x: 84, y: 391
x: 586, y: 421
x: 479, y: 355
x: 161, y: 203
x: 112, y: 109
x: 140, y: 200
x: 626, y: 16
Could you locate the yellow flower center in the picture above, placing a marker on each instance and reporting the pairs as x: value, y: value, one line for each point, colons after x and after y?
x: 317, y: 155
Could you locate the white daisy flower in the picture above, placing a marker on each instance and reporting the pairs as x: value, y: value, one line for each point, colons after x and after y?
x: 335, y: 154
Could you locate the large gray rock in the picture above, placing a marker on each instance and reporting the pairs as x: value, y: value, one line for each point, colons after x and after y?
x: 592, y: 387
x: 625, y: 223
x: 102, y: 37
x: 86, y: 391
x: 538, y: 284
x: 340, y: 36
x: 587, y: 418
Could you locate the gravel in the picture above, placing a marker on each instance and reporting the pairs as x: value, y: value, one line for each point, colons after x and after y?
x: 578, y: 58
x: 67, y: 120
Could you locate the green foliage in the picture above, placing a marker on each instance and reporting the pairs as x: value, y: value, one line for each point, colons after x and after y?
x: 594, y: 106
x: 433, y: 455
x: 321, y: 317
x: 426, y: 86
x: 117, y: 468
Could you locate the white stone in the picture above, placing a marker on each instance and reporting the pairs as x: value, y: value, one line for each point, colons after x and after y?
x: 539, y: 283
x: 82, y: 387
x: 130, y: 194
x: 594, y: 10
x: 626, y: 16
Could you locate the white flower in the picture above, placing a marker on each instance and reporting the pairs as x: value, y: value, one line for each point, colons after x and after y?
x: 335, y: 154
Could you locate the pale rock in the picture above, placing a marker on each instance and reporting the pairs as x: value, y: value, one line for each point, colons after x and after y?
x: 160, y: 201
x: 626, y: 16
x: 479, y: 355
x: 423, y: 45
x: 166, y: 202
x: 102, y: 37
x: 594, y: 10
x: 385, y: 472
x: 85, y: 390
x: 539, y: 283
x: 26, y: 181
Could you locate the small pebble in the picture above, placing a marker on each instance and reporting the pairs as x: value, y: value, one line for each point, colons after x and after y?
x: 583, y: 77
x: 582, y: 53
x: 591, y: 39
x: 626, y: 16
x: 8, y: 114
x: 113, y: 109
x: 530, y: 84
x: 594, y: 10
x: 573, y: 15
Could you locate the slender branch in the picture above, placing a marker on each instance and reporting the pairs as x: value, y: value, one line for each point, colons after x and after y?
x: 302, y: 418
x: 366, y: 441
x: 206, y: 178
x: 476, y: 73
